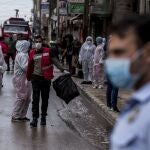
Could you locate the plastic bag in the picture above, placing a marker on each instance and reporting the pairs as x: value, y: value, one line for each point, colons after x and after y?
x: 65, y: 88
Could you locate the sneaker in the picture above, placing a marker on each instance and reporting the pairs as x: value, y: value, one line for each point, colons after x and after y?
x: 116, y: 110
x: 34, y: 122
x: 109, y: 108
x: 84, y: 82
x: 43, y: 121
x: 16, y: 119
x: 100, y: 87
x: 25, y: 119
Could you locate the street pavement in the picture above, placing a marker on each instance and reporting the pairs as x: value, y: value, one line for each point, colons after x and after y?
x: 97, y: 97
x: 19, y: 136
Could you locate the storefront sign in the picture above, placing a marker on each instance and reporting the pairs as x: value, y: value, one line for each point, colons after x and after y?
x: 76, y: 8
x: 76, y: 1
x: 101, y: 7
x: 45, y: 7
x: 62, y: 7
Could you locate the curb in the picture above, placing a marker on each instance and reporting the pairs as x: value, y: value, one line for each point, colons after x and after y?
x: 99, y: 106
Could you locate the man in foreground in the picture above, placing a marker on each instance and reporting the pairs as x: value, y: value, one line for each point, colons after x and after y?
x: 128, y: 67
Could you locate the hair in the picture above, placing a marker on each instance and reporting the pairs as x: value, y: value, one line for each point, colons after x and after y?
x: 38, y: 37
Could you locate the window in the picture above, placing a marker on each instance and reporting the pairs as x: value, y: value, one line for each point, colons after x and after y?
x: 15, y: 29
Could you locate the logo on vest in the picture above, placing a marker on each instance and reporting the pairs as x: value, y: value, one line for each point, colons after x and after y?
x: 46, y: 54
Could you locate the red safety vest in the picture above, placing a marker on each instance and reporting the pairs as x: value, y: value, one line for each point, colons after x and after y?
x: 46, y: 64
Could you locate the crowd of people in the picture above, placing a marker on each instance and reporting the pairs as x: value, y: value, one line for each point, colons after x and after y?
x: 33, y: 70
x: 87, y: 61
x: 126, y: 66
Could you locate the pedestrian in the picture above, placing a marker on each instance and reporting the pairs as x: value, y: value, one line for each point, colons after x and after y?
x: 76, y: 45
x: 55, y: 48
x: 111, y: 91
x: 21, y: 85
x: 98, y: 67
x: 112, y: 96
x: 63, y: 49
x: 40, y: 72
x: 69, y: 52
x: 2, y: 67
x: 127, y: 67
x: 86, y: 56
x: 11, y: 51
x: 4, y: 47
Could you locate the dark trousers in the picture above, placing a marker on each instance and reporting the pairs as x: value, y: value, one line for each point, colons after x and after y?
x: 112, y: 95
x: 69, y: 61
x: 41, y: 88
x: 7, y: 59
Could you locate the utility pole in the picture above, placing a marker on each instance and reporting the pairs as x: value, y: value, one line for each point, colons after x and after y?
x: 58, y: 21
x: 86, y: 19
x: 49, y: 22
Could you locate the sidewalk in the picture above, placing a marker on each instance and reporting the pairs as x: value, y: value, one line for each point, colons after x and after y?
x: 97, y: 97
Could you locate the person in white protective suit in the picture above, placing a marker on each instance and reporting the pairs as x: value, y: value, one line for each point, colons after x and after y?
x: 2, y: 67
x: 86, y: 56
x: 21, y: 85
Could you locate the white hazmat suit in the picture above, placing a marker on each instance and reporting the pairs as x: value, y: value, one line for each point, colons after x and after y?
x: 21, y: 85
x: 86, y: 56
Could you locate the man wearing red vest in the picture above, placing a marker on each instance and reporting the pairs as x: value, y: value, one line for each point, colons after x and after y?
x: 40, y: 72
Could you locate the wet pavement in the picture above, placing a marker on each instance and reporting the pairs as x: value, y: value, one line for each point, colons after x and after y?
x: 90, y: 124
x: 19, y: 136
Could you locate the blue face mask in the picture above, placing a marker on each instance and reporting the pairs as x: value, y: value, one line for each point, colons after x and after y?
x: 118, y: 71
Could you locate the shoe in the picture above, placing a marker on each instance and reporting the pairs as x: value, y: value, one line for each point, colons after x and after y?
x: 43, y: 121
x: 16, y: 119
x: 100, y: 87
x: 89, y: 82
x: 109, y: 108
x: 116, y: 110
x: 25, y: 119
x: 34, y: 123
x: 84, y: 82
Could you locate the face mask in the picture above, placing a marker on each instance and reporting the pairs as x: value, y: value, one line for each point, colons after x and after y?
x: 38, y: 46
x: 118, y: 71
x: 89, y: 42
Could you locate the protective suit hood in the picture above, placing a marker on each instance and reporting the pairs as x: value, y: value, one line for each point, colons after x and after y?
x: 89, y: 37
x: 99, y: 40
x: 22, y: 46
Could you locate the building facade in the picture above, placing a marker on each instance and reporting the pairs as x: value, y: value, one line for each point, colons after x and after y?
x: 83, y: 17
